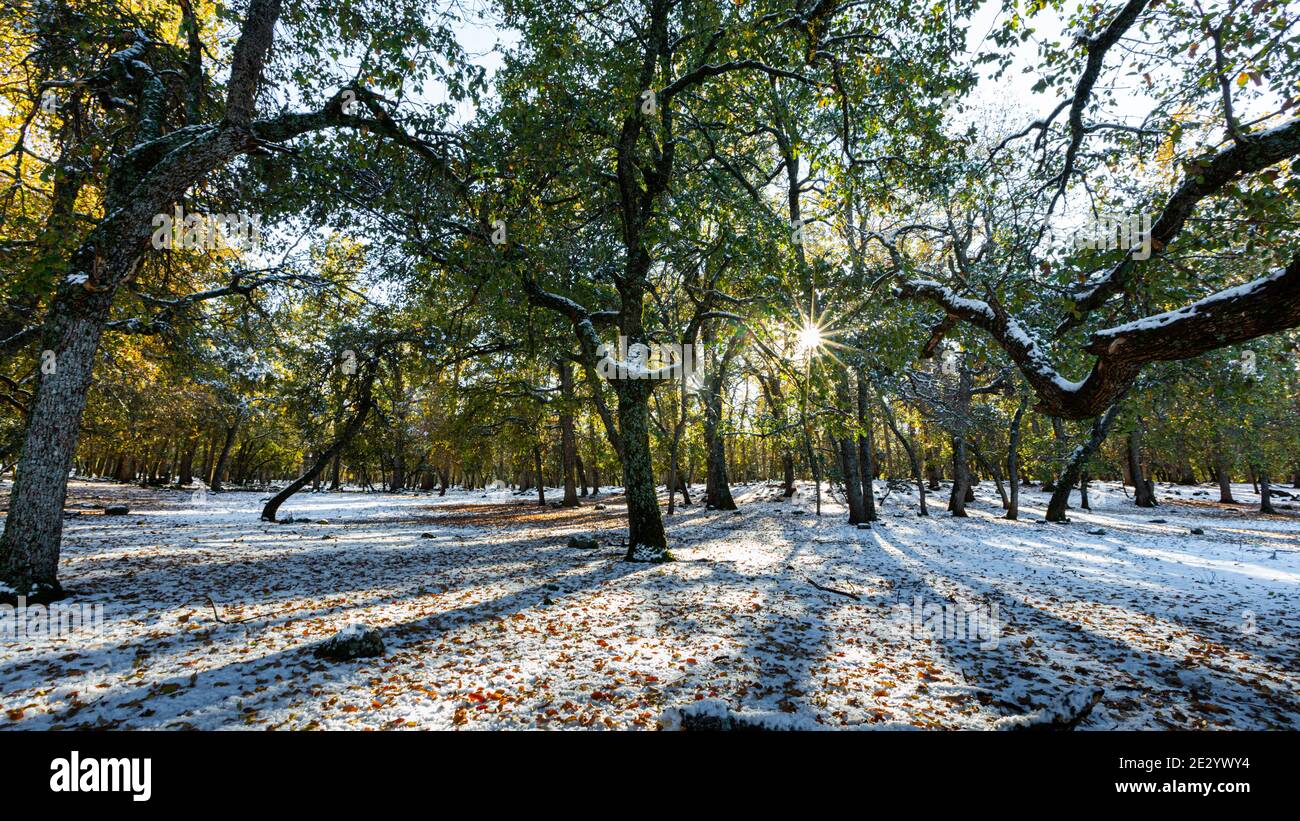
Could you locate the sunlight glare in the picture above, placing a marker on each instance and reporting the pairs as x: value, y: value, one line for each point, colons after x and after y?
x: 810, y: 338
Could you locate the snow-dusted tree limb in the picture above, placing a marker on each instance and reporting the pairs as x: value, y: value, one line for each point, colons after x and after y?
x: 171, y: 308
x: 1265, y: 305
x: 1262, y: 306
x: 1257, y: 152
x: 1097, y: 48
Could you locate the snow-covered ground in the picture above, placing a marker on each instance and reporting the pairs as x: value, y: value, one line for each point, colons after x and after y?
x: 492, y: 621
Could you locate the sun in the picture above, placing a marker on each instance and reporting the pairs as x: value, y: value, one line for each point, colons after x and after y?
x: 810, y: 338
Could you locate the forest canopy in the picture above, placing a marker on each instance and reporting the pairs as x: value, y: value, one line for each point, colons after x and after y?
x: 648, y: 243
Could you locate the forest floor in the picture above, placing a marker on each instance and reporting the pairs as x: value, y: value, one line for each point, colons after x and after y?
x: 491, y: 621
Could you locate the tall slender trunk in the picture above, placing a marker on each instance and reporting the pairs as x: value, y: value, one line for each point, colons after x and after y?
x: 866, y: 449
x: 1265, y: 493
x: 717, y: 490
x: 568, y: 444
x: 1077, y: 463
x: 537, y: 471
x: 849, y: 467
x: 1013, y: 459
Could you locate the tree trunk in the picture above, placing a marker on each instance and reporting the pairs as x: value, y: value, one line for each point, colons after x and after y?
x: 568, y: 443
x: 852, y: 487
x: 219, y: 472
x: 185, y: 475
x: 646, y: 541
x: 866, y: 450
x: 912, y: 456
x: 717, y: 492
x: 960, y: 478
x: 537, y: 471
x: 1223, y: 474
x: 365, y: 401
x: 1013, y: 459
x: 29, y: 548
x: 1077, y: 463
x: 1265, y: 495
x: 336, y: 473
x: 1143, y: 495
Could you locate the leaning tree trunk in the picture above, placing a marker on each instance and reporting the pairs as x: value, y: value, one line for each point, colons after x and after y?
x: 365, y: 401
x: 29, y: 548
x: 109, y: 255
x: 1013, y: 459
x: 912, y: 456
x: 1078, y: 461
x: 223, y: 461
x: 646, y: 540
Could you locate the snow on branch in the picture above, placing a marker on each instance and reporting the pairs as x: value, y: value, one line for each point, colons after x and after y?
x: 1262, y: 306
x: 1204, y: 178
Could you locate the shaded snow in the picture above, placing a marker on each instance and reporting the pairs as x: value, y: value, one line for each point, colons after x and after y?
x: 491, y: 621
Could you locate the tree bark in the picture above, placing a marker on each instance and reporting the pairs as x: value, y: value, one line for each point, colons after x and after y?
x: 1013, y: 459
x: 866, y: 449
x: 1223, y: 474
x: 647, y: 541
x: 568, y: 439
x: 1077, y: 463
x: 223, y: 461
x: 537, y: 471
x: 1142, y: 489
x: 365, y: 402
x: 717, y: 491
x: 185, y: 474
x: 912, y: 457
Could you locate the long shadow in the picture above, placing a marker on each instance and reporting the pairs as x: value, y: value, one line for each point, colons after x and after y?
x: 404, y: 636
x: 1167, y: 676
